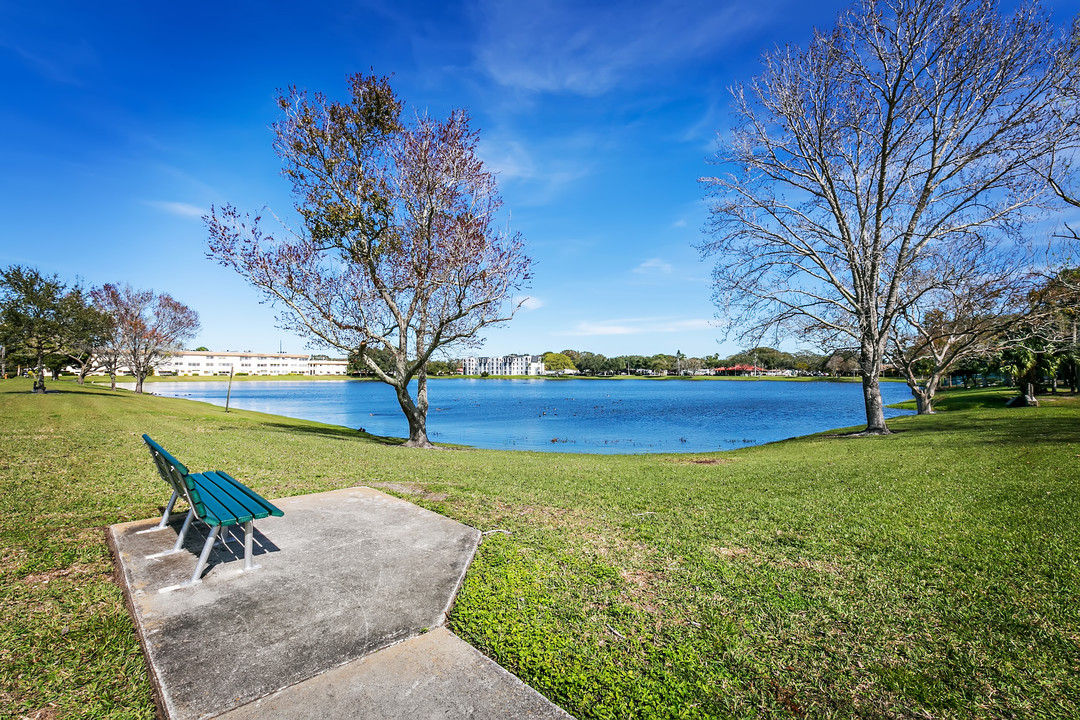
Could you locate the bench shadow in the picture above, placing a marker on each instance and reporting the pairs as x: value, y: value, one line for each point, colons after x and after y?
x: 230, y: 551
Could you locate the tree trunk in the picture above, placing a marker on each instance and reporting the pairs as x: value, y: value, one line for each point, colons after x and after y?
x: 138, y: 383
x: 924, y: 403
x: 870, y: 369
x: 39, y: 375
x: 875, y: 408
x: 415, y: 412
x: 112, y: 379
x: 924, y: 393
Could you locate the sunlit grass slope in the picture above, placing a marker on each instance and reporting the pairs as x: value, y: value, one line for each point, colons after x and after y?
x: 931, y: 573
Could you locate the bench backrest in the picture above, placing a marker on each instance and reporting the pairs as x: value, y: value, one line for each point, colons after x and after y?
x: 215, y: 497
x: 172, y: 471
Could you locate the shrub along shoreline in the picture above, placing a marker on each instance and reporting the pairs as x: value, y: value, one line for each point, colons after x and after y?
x: 932, y: 572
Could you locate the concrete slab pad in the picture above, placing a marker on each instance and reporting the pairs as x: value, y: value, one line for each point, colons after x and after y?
x: 343, y: 574
x: 432, y: 676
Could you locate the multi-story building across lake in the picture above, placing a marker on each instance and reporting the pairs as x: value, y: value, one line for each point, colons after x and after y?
x: 504, y: 365
x: 199, y: 362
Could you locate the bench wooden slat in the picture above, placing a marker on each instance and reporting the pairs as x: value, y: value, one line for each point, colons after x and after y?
x: 223, y: 499
x: 224, y: 493
x: 255, y: 502
x: 215, y: 510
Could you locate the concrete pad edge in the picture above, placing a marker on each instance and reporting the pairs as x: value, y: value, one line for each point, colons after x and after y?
x: 156, y: 690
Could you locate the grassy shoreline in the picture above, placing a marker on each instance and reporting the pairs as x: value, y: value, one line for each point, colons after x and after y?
x: 932, y: 572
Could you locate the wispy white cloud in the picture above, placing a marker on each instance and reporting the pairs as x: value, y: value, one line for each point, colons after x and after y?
x: 708, y: 128
x: 605, y: 327
x: 567, y: 46
x: 508, y: 158
x: 532, y: 303
x: 514, y: 161
x: 639, y: 326
x: 61, y: 63
x: 654, y: 266
x: 178, y: 208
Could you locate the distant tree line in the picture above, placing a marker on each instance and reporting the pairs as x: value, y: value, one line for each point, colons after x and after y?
x: 360, y: 365
x: 597, y: 365
x: 47, y: 324
x: 803, y: 362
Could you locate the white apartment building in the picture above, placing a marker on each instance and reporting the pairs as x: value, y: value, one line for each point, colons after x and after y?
x: 504, y: 365
x: 328, y: 367
x: 196, y: 362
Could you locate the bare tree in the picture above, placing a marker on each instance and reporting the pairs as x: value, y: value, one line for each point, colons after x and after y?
x: 150, y: 327
x: 88, y: 330
x: 964, y: 304
x: 399, y: 250
x: 1062, y: 174
x: 928, y: 341
x: 910, y: 129
x: 110, y: 352
x: 842, y: 363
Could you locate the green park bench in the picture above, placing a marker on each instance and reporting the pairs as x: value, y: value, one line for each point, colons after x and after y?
x: 217, y: 499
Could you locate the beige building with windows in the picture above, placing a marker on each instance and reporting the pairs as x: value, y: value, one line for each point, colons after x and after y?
x: 196, y: 362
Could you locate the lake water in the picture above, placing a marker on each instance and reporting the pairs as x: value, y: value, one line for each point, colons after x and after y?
x: 593, y: 416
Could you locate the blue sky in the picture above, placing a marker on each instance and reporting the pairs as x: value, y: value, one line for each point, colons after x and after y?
x: 123, y: 122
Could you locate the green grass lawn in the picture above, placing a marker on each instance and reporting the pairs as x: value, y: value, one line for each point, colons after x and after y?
x: 932, y: 573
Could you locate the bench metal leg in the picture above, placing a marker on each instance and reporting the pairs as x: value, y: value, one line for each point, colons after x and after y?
x: 164, y: 517
x: 168, y: 511
x: 183, y: 531
x: 249, y: 532
x: 179, y: 545
x: 205, y: 555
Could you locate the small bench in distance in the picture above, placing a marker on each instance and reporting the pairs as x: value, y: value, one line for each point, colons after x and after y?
x: 217, y: 499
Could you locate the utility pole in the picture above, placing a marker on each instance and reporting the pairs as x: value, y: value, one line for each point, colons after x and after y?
x: 228, y: 393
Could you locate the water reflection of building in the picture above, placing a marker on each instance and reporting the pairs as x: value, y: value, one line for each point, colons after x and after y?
x: 504, y: 365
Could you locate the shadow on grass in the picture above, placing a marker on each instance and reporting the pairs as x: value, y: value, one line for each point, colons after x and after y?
x: 973, y: 399
x: 339, y: 433
x: 97, y: 392
x: 1020, y: 426
x: 993, y: 398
